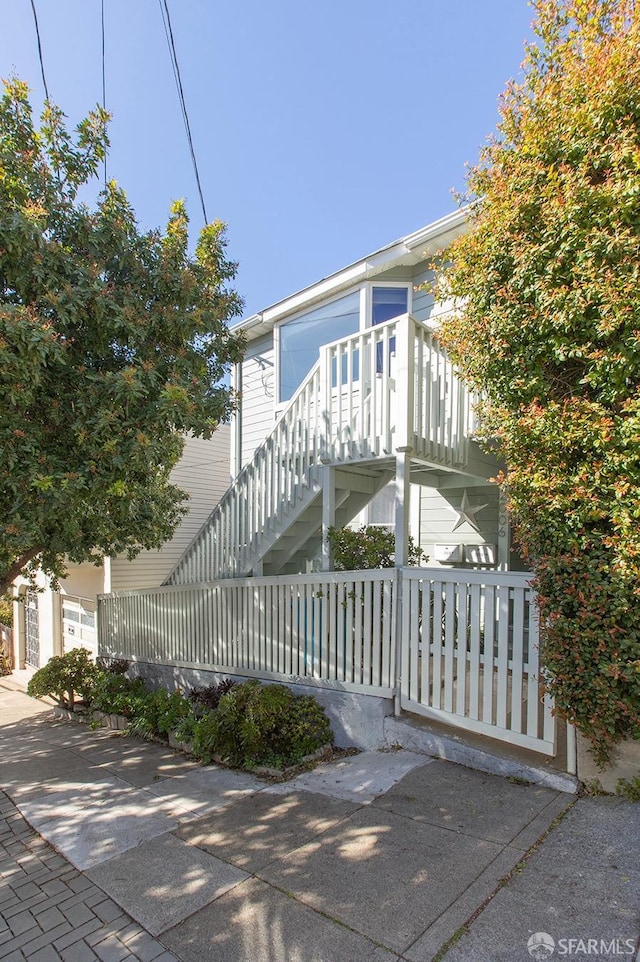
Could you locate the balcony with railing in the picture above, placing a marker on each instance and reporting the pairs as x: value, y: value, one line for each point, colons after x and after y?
x: 386, y: 389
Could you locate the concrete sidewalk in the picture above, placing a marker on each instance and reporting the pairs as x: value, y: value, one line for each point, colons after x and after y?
x: 132, y: 851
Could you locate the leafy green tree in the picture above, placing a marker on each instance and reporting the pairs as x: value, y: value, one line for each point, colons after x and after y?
x: 113, y: 346
x: 547, y: 287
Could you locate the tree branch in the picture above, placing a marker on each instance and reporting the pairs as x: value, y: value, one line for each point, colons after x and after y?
x: 11, y: 573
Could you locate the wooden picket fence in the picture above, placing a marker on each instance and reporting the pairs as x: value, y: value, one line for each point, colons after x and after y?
x: 458, y: 646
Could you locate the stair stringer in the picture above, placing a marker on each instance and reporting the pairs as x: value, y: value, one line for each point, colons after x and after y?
x: 293, y: 558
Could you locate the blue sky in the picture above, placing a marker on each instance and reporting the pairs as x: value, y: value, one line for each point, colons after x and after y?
x: 322, y: 130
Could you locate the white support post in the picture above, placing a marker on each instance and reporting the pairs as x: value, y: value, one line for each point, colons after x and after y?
x: 405, y: 377
x: 405, y: 429
x: 403, y: 506
x: 402, y: 514
x: 504, y: 534
x: 405, y: 383
x: 400, y: 586
x: 324, y: 404
x: 328, y: 513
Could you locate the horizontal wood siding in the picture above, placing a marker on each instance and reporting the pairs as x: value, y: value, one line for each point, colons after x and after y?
x: 437, y: 517
x: 203, y: 472
x: 425, y: 307
x: 423, y: 300
x: 258, y: 395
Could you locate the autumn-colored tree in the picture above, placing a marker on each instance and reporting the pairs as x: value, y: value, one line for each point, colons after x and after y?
x: 547, y: 286
x: 113, y: 346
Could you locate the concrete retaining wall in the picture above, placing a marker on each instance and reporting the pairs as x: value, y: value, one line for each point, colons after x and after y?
x: 624, y: 764
x: 367, y: 722
x: 357, y: 720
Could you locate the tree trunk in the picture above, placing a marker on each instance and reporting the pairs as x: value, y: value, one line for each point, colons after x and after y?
x: 8, y: 576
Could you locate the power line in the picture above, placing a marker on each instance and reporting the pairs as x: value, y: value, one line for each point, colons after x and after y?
x: 44, y: 79
x: 104, y: 83
x: 166, y: 19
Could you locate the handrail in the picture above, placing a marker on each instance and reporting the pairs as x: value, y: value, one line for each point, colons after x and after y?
x: 386, y: 386
x: 249, y: 493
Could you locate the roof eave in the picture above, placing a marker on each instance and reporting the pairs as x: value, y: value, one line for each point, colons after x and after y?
x: 422, y: 244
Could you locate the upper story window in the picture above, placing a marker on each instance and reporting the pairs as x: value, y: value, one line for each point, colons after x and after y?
x: 300, y: 339
x: 388, y: 302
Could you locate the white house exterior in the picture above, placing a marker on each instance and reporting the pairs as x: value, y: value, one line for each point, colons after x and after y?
x: 351, y: 412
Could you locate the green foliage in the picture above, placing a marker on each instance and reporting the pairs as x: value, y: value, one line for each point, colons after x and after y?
x: 629, y: 788
x: 546, y: 327
x: 368, y: 547
x: 159, y: 712
x: 64, y: 677
x: 207, y: 698
x: 250, y: 724
x: 113, y: 346
x: 6, y: 609
x: 260, y: 724
x: 115, y: 694
x: 117, y: 666
x: 203, y: 736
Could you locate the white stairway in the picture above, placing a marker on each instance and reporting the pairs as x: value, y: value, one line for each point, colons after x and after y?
x: 387, y: 389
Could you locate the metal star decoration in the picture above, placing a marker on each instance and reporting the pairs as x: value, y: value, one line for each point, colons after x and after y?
x: 467, y: 514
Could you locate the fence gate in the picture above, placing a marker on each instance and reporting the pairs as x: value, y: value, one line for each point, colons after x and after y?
x: 470, y: 654
x: 31, y: 629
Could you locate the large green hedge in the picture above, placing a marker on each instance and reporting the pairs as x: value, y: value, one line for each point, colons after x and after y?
x: 547, y: 287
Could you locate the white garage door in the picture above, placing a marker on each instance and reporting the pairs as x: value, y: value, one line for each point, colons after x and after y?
x: 78, y: 623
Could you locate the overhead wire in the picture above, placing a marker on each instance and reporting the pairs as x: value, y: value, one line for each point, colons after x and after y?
x: 104, y: 81
x: 44, y: 79
x: 168, y: 29
x: 166, y: 19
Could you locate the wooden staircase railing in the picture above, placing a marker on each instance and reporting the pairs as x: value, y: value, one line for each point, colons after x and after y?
x: 390, y: 386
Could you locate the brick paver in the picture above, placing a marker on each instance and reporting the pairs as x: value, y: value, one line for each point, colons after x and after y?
x: 50, y: 912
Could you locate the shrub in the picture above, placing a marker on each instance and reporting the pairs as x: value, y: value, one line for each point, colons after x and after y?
x: 545, y: 330
x: 208, y: 697
x: 159, y: 712
x: 307, y: 728
x: 248, y: 725
x: 185, y: 730
x: 113, y: 693
x: 261, y: 724
x: 368, y: 547
x: 64, y: 677
x: 203, y: 735
x: 117, y: 666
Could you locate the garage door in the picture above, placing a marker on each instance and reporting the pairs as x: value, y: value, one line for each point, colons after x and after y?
x: 78, y: 623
